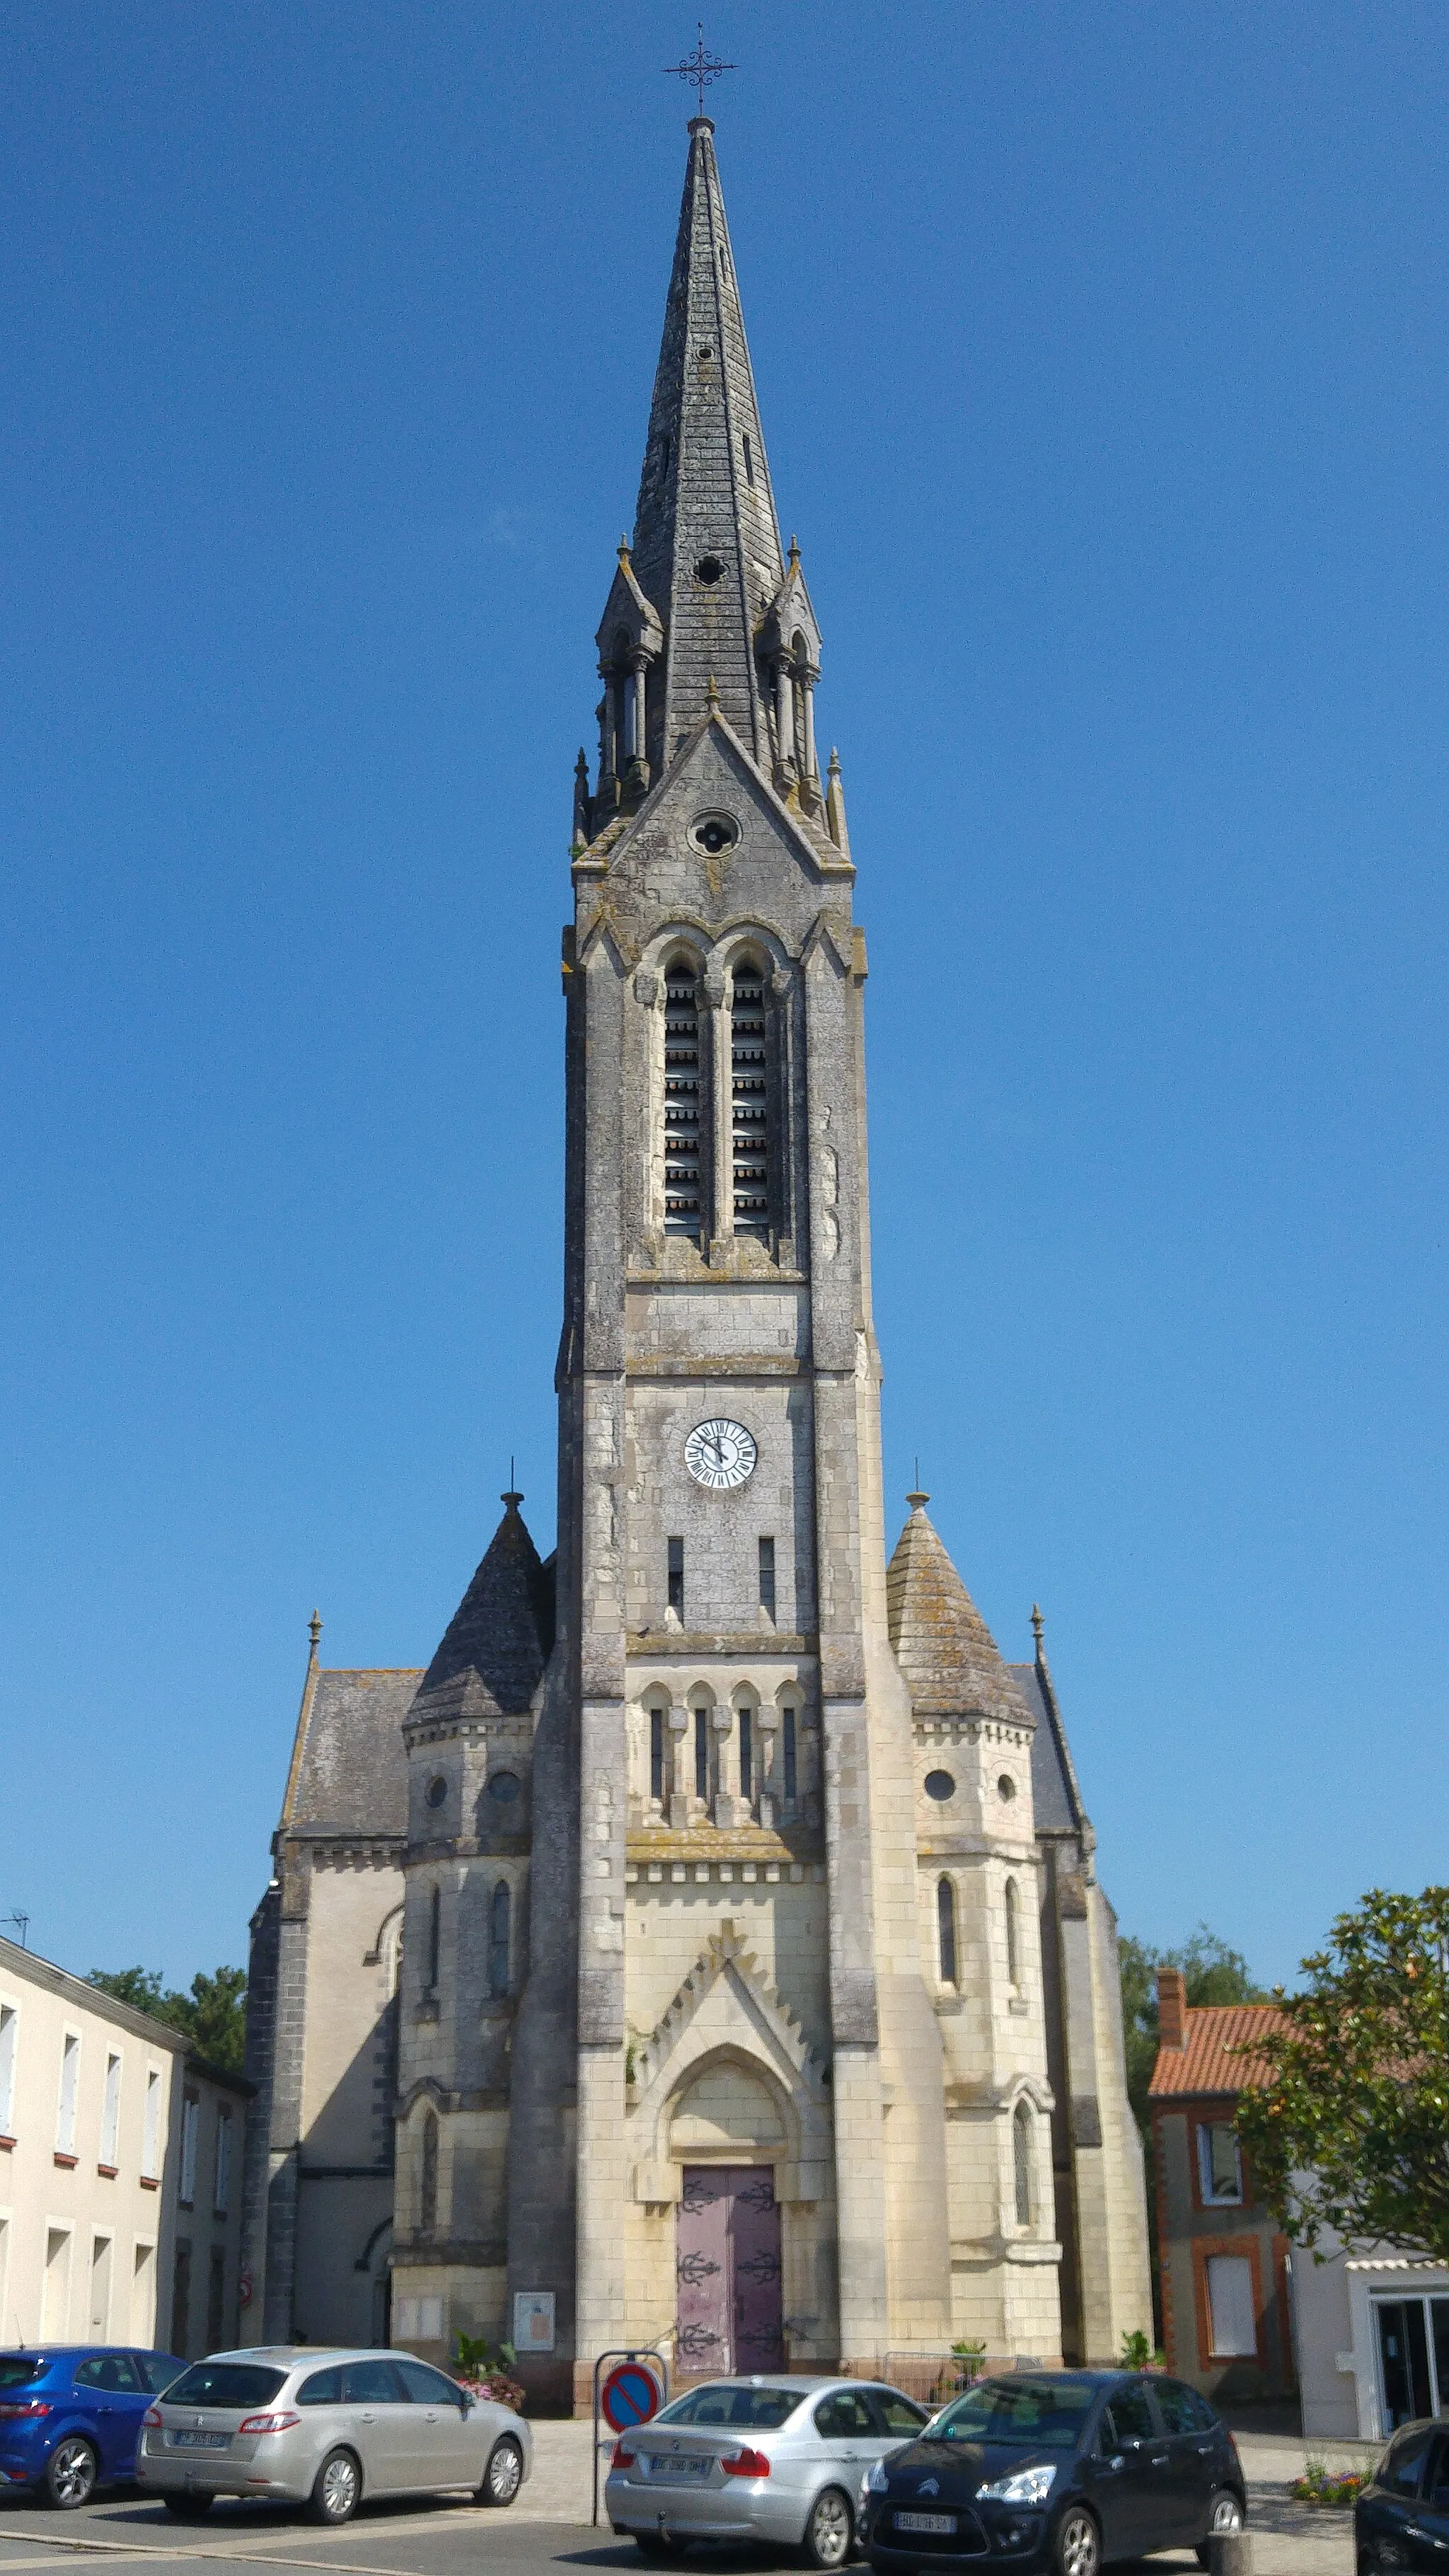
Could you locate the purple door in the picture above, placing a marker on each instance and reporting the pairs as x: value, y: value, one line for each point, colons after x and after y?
x: 727, y: 2263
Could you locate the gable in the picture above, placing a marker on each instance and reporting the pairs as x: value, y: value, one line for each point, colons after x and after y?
x: 773, y: 873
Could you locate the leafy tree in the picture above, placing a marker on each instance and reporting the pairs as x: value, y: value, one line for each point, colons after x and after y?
x: 1348, y: 2123
x: 213, y: 2015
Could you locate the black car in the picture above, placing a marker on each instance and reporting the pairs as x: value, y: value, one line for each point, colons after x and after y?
x: 1056, y: 2469
x: 1402, y: 2517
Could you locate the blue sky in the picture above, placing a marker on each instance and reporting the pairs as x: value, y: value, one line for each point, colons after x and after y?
x: 1102, y: 354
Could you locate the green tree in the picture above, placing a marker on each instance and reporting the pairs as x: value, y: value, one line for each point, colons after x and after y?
x: 1348, y: 2122
x: 213, y: 2015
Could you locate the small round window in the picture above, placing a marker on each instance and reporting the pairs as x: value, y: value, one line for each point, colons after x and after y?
x: 714, y: 832
x: 1006, y: 1786
x: 504, y: 1787
x: 437, y: 1792
x: 709, y: 569
x: 939, y: 1784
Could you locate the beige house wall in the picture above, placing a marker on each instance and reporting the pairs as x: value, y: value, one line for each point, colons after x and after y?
x: 92, y: 2218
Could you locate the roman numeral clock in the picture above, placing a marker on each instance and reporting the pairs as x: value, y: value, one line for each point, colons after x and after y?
x: 720, y: 1454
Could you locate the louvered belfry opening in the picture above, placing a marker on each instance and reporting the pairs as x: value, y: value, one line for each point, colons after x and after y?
x: 683, y: 1126
x: 749, y: 1101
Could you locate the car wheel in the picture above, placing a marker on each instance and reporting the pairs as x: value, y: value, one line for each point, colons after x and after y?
x: 1079, y: 2546
x: 504, y: 2474
x: 190, y: 2508
x: 1224, y: 2514
x: 70, y: 2477
x: 830, y: 2531
x: 337, y: 2491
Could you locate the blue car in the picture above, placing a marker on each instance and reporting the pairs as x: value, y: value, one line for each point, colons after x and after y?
x: 70, y: 2415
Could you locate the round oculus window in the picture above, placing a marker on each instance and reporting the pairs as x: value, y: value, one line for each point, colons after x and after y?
x: 709, y: 569
x: 437, y: 1792
x: 939, y: 1784
x: 1006, y: 1786
x: 504, y: 1786
x: 713, y: 833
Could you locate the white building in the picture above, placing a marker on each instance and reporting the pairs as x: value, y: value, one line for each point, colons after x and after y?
x: 120, y: 2172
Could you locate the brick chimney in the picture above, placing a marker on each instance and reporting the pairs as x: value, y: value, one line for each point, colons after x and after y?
x: 1171, y: 2008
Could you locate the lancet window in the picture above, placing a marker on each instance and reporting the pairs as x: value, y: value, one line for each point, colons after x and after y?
x: 946, y: 1930
x: 1013, y: 1932
x: 750, y: 1115
x: 499, y: 1928
x: 428, y: 2176
x: 1022, y: 2142
x: 683, y: 1101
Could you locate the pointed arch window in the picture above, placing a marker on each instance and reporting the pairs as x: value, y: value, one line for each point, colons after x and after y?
x: 500, y: 1915
x: 1022, y: 2143
x: 435, y: 1937
x: 749, y: 1088
x: 428, y: 2176
x: 683, y: 1101
x: 946, y: 1930
x: 1013, y: 1934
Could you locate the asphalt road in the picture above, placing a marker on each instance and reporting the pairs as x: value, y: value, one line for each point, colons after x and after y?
x: 547, y: 2528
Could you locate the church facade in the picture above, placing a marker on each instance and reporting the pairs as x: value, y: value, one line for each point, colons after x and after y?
x: 706, y: 1950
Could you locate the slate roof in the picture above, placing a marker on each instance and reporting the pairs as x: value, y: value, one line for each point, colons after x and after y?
x: 944, y: 1648
x: 1204, y: 2064
x: 349, y: 1769
x: 1055, y: 1797
x: 500, y: 1636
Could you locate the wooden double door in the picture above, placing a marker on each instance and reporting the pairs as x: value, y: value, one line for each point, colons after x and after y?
x: 727, y: 2271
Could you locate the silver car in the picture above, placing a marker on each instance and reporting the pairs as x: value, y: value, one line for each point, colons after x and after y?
x: 301, y: 2425
x: 771, y: 2459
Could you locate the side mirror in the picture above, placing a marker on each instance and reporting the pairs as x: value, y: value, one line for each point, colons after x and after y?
x: 469, y: 2401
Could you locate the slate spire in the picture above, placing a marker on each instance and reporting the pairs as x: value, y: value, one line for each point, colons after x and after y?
x: 704, y: 495
x: 500, y: 1635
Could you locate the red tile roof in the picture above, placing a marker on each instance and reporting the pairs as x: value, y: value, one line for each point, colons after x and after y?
x: 1204, y: 2065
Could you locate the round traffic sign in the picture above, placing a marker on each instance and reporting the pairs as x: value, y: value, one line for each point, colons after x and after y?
x: 630, y: 2395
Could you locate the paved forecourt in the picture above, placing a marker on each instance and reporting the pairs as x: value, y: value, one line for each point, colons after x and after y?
x: 547, y: 2527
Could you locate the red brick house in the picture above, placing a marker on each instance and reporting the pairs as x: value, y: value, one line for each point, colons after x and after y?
x: 1223, y: 2262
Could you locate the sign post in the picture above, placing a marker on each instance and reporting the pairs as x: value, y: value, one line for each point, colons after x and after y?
x: 634, y: 2391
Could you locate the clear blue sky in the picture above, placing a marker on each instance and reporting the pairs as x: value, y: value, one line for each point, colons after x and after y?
x: 1102, y: 352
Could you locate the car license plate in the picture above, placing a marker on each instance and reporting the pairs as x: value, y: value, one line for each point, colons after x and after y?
x: 201, y: 2441
x: 681, y: 2464
x: 940, y: 2523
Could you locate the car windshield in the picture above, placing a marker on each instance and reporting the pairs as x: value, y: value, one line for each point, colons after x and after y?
x: 1047, y: 2413
x: 19, y: 2369
x: 744, y: 2410
x: 225, y: 2383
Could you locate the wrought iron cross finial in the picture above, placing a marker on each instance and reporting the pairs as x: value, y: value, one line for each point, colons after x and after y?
x: 699, y: 67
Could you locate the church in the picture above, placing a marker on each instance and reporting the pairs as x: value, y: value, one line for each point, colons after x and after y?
x: 706, y: 1950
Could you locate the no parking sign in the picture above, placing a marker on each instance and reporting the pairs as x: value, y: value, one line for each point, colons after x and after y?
x: 629, y: 2396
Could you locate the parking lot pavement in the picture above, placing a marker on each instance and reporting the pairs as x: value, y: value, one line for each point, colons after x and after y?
x: 548, y: 2527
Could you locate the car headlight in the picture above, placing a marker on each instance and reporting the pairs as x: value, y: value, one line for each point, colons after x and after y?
x: 1024, y: 2486
x: 875, y: 2481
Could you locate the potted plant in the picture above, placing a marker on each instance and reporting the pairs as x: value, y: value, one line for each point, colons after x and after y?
x: 484, y: 2370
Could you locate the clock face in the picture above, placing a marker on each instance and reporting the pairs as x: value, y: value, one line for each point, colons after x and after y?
x: 720, y: 1454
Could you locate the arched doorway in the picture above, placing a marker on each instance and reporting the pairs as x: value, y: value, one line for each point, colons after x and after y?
x: 727, y: 2134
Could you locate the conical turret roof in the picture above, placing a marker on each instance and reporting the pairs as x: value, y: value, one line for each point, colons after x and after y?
x: 706, y: 550
x: 945, y: 1650
x: 500, y: 1635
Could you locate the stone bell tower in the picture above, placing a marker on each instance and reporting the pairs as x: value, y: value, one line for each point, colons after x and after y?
x: 731, y: 1735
